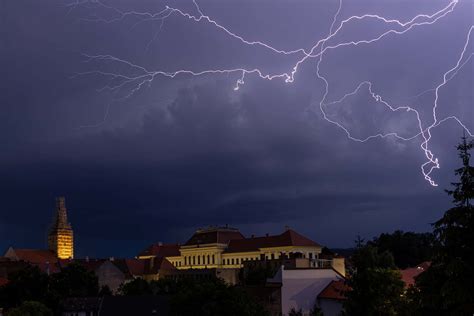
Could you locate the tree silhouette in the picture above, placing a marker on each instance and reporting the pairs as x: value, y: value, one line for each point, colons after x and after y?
x: 447, y: 288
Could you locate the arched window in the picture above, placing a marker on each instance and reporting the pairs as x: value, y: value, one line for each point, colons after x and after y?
x: 213, y: 259
x: 185, y: 260
x: 199, y: 259
x: 208, y: 259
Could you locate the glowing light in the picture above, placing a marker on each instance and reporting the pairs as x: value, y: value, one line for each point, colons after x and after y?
x: 133, y: 83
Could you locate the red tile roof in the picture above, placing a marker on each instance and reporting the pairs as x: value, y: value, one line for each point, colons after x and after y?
x: 36, y: 255
x: 136, y: 266
x: 157, y: 264
x: 409, y: 275
x: 335, y: 290
x: 214, y: 235
x: 161, y: 250
x: 89, y: 264
x: 288, y: 238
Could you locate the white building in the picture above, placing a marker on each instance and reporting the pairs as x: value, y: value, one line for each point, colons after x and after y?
x: 300, y: 289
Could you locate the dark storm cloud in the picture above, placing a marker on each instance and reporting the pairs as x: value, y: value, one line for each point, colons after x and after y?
x: 190, y: 152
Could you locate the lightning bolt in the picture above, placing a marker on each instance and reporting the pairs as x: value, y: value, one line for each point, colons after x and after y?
x: 141, y: 77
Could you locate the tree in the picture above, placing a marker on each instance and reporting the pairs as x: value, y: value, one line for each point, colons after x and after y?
x: 74, y: 281
x: 137, y: 286
x: 408, y: 249
x: 163, y: 286
x: 29, y: 284
x: 447, y: 287
x: 213, y: 297
x: 376, y: 284
x: 105, y: 291
x: 257, y: 274
x: 30, y: 308
x: 316, y: 310
x: 295, y: 312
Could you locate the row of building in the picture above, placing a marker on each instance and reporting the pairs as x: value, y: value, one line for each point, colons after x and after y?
x: 304, y: 274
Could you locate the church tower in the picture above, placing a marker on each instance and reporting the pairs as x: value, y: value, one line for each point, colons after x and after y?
x: 60, y: 237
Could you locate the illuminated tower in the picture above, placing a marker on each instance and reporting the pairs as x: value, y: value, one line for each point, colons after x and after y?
x: 60, y: 237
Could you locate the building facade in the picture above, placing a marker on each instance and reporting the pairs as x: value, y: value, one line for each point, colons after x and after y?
x: 61, y: 237
x: 225, y: 247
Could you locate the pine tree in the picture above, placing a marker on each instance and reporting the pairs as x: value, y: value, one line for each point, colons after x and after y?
x: 376, y: 283
x: 448, y: 286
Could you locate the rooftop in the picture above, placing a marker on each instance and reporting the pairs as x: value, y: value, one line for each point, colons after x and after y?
x: 214, y: 235
x: 161, y: 250
x: 32, y: 255
x: 335, y: 290
x: 409, y: 275
x: 287, y: 238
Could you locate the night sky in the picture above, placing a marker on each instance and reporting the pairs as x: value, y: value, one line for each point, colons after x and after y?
x: 187, y: 152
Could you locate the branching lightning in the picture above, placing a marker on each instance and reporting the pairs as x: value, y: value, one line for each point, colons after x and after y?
x: 143, y: 77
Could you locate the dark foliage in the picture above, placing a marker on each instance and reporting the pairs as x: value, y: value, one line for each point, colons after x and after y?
x: 74, y: 281
x: 258, y: 274
x: 447, y: 288
x: 408, y: 249
x: 376, y: 284
x: 138, y: 286
x: 105, y: 291
x: 213, y: 297
x: 30, y: 308
x: 198, y: 297
x: 30, y: 284
x: 295, y: 312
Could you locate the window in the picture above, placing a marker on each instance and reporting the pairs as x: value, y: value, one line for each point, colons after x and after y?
x: 208, y: 259
x: 232, y: 260
x: 311, y: 255
x: 273, y: 256
x: 199, y: 259
x: 194, y: 259
x: 213, y: 259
